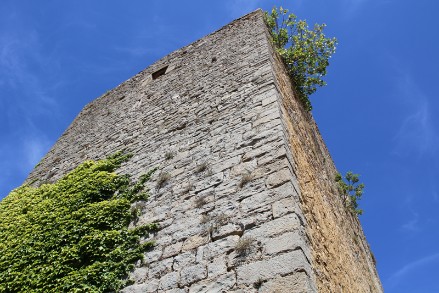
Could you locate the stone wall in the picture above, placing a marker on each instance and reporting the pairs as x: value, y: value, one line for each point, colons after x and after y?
x: 342, y: 259
x: 231, y: 191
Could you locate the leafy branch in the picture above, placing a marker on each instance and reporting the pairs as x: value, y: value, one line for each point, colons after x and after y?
x: 351, y: 191
x: 305, y: 52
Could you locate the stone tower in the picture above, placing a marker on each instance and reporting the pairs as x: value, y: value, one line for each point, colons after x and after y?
x: 251, y: 204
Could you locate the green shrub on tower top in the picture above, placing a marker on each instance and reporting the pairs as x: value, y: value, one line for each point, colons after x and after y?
x: 305, y: 52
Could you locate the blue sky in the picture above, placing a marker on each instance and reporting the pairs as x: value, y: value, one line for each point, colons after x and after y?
x: 377, y: 114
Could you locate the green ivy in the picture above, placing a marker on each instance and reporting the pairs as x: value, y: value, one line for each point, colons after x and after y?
x: 305, y: 52
x: 72, y: 235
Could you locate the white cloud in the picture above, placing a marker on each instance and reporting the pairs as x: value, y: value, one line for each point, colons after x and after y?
x: 19, y: 52
x: 416, y: 134
x: 413, y: 224
x: 398, y: 276
x: 26, y: 72
x: 34, y: 149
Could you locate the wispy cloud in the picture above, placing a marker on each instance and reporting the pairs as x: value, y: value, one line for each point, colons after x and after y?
x: 413, y: 224
x: 19, y: 53
x: 417, y: 133
x: 395, y: 279
x: 27, y: 86
x: 33, y: 150
x: 17, y: 162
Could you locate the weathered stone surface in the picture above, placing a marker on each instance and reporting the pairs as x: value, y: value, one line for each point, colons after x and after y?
x: 158, y: 269
x: 227, y: 164
x: 257, y: 152
x: 214, y: 249
x: 183, y: 260
x: 153, y: 256
x: 220, y: 284
x: 278, y: 226
x: 266, y: 269
x: 278, y: 178
x: 270, y: 157
x: 267, y: 118
x: 283, y: 207
x: 176, y: 290
x: 227, y: 230
x: 194, y: 242
x: 217, y: 267
x: 139, y: 275
x: 169, y: 281
x: 182, y: 229
x: 192, y: 274
x: 150, y: 286
x: 244, y: 168
x: 286, y: 191
x: 172, y: 250
x: 260, y: 202
x: 264, y: 171
x: 269, y: 100
x: 298, y: 282
x: 283, y: 243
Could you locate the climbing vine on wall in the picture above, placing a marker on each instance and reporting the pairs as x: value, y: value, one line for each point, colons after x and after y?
x: 72, y: 235
x: 305, y: 52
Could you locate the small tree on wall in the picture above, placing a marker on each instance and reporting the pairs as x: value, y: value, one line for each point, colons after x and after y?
x: 305, y: 52
x: 351, y: 191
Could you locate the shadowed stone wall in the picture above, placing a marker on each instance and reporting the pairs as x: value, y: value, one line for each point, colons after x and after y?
x: 342, y: 260
x: 217, y: 124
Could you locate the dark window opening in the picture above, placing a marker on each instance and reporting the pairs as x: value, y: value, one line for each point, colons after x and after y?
x: 159, y: 73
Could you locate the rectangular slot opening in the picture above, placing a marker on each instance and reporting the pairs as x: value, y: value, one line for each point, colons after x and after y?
x: 159, y: 73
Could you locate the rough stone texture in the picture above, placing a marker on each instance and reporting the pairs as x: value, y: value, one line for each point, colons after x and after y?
x: 192, y: 274
x: 169, y: 281
x: 149, y: 286
x: 246, y: 162
x: 221, y: 283
x: 266, y: 269
x: 296, y: 282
